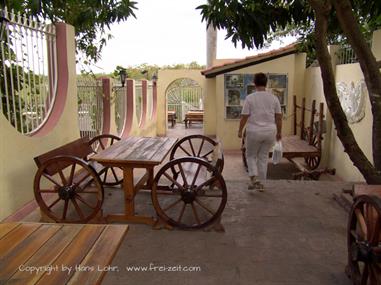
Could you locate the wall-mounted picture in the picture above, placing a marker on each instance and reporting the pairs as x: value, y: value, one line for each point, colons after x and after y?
x: 250, y: 89
x: 233, y: 80
x: 233, y: 112
x: 280, y: 93
x: 277, y: 81
x: 234, y: 97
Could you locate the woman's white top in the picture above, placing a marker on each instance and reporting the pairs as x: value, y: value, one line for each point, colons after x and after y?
x: 262, y: 107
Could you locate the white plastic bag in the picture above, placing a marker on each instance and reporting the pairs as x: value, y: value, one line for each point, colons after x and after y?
x: 277, y: 152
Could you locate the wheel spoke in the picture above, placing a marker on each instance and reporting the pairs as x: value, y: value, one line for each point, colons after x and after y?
x: 172, y: 205
x: 201, y: 145
x: 55, y: 202
x: 114, y: 174
x: 181, y: 213
x: 48, y: 191
x: 163, y: 192
x: 192, y: 148
x: 112, y: 141
x: 83, y: 179
x: 210, y: 195
x: 72, y: 171
x: 47, y: 176
x: 174, y: 181
x: 195, y: 176
x: 101, y: 144
x: 365, y: 274
x: 79, y: 197
x: 78, y: 209
x: 206, y: 154
x: 195, y: 214
x: 183, y: 175
x: 362, y: 223
x: 65, y: 209
x: 63, y: 178
x: 184, y: 150
x: 204, y: 206
x: 105, y: 177
x: 207, y: 182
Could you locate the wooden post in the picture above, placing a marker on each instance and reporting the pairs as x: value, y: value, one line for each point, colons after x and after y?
x: 320, y: 130
x: 312, y: 119
x: 295, y: 112
x: 302, y: 118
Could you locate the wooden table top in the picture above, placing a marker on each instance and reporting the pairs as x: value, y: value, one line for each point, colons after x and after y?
x: 136, y: 150
x: 32, y: 253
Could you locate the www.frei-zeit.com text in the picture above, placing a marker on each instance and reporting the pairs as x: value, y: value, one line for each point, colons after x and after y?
x: 151, y: 267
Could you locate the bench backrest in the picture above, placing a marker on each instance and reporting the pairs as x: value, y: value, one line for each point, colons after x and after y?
x: 79, y: 148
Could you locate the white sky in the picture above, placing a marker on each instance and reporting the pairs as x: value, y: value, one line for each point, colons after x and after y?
x: 165, y: 32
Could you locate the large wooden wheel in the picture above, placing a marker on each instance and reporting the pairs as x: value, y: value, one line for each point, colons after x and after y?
x: 192, y: 198
x: 68, y: 190
x: 110, y: 176
x: 312, y: 161
x: 196, y: 146
x: 364, y: 241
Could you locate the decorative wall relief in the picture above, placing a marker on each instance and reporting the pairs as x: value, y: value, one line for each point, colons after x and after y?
x: 352, y: 99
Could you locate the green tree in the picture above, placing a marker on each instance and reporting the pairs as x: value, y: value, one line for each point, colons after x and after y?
x: 91, y: 18
x: 250, y: 22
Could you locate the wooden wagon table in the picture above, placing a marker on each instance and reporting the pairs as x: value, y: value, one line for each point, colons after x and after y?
x: 32, y: 253
x: 131, y: 153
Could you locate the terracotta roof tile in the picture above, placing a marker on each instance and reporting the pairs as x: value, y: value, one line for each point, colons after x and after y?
x: 219, y: 68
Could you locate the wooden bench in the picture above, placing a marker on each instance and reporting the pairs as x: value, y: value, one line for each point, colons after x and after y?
x: 193, y: 116
x: 68, y: 187
x: 193, y: 177
x: 172, y: 118
x: 50, y: 250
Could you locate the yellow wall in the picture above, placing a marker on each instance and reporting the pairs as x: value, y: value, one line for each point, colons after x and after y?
x: 166, y: 77
x: 292, y: 65
x: 17, y: 168
x: 333, y: 152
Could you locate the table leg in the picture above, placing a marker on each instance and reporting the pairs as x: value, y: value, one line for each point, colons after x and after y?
x: 129, y: 202
x: 128, y: 188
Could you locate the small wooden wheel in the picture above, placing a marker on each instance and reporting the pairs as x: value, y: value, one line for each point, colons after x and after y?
x: 312, y: 162
x: 110, y: 176
x: 193, y: 198
x: 364, y: 241
x: 195, y: 146
x: 68, y: 190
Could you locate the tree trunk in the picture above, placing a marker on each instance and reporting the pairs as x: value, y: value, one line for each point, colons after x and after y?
x: 369, y: 68
x: 344, y: 132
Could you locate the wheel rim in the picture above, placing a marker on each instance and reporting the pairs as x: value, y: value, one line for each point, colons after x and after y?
x: 364, y: 241
x: 64, y: 196
x: 195, y: 146
x: 110, y: 176
x: 189, y: 201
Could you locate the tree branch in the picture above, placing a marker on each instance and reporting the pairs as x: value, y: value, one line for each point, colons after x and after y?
x: 369, y: 67
x: 344, y: 132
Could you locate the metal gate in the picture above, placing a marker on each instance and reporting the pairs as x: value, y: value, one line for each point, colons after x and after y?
x: 183, y: 95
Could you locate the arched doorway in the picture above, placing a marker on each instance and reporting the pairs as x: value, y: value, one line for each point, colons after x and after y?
x: 184, y: 95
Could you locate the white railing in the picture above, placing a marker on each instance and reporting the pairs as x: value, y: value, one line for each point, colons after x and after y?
x: 346, y: 54
x: 90, y: 106
x: 28, y: 76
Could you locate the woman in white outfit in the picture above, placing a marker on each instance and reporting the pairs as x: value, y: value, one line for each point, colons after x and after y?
x: 263, y: 116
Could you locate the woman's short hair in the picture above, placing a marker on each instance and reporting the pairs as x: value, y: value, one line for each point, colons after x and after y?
x: 260, y: 79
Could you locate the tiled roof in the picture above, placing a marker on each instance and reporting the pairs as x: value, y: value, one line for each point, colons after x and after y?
x: 250, y: 60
